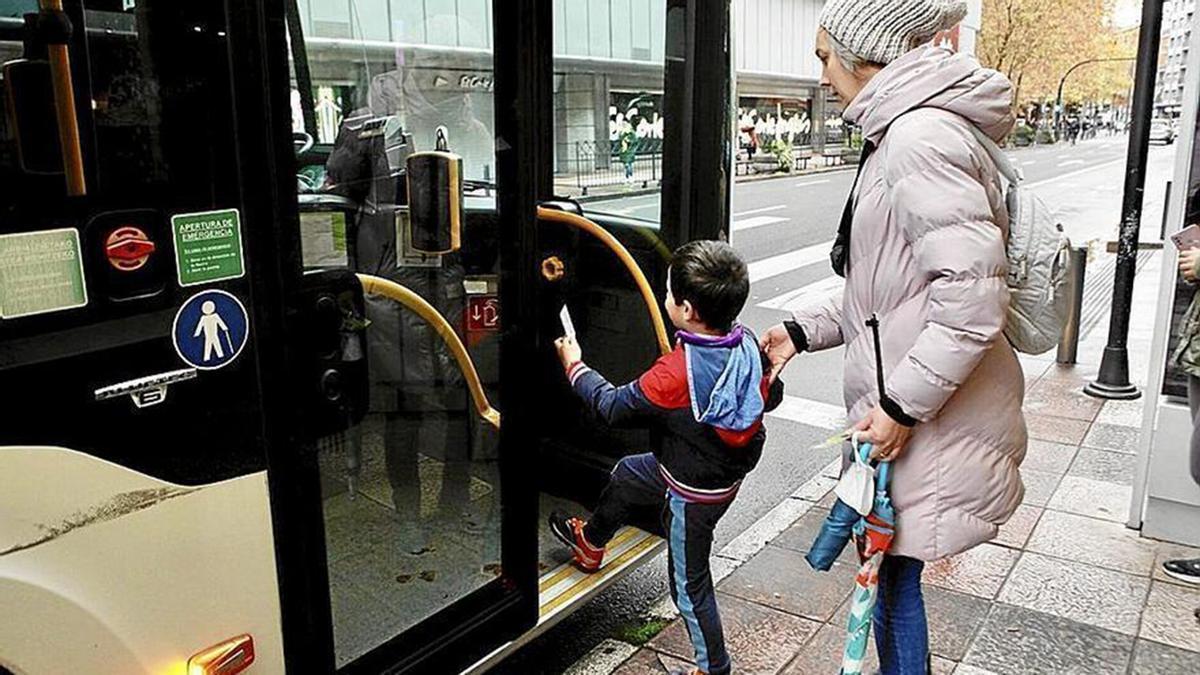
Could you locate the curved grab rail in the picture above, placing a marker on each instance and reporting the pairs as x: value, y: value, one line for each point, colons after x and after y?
x: 639, y: 278
x: 390, y: 289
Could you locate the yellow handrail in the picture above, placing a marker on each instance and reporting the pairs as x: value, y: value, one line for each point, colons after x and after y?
x: 64, y: 109
x: 635, y: 271
x: 390, y: 289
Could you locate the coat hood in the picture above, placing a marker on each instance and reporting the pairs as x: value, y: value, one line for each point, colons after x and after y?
x: 934, y: 77
x: 724, y: 376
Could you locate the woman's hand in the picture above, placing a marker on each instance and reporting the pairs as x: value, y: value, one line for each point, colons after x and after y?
x: 776, y: 343
x: 887, y: 435
x: 1187, y: 263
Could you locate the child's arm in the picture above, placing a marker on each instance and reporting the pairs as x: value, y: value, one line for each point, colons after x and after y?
x: 626, y: 405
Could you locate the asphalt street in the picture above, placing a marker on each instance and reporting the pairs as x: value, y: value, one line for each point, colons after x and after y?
x: 783, y: 227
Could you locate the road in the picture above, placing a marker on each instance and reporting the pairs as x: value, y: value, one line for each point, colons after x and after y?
x: 784, y: 227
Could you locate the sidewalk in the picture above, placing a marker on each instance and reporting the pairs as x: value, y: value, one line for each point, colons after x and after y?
x: 1065, y: 588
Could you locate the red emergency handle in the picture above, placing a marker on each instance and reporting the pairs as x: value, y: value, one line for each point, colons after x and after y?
x: 130, y: 248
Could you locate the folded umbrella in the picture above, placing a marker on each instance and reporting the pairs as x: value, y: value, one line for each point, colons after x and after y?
x: 837, y: 529
x: 873, y: 535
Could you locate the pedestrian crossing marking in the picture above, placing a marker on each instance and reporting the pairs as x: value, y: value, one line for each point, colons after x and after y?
x: 810, y: 413
x: 757, y: 221
x: 787, y: 262
x: 805, y: 295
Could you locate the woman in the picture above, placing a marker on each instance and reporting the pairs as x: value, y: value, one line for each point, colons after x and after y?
x: 922, y: 248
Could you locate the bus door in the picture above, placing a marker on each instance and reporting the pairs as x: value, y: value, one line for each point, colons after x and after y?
x: 142, y: 345
x: 240, y: 395
x: 422, y: 502
x: 430, y: 508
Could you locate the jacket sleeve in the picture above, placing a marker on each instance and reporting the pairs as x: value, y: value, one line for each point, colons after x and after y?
x: 615, y: 406
x: 821, y: 324
x: 939, y: 201
x: 662, y: 388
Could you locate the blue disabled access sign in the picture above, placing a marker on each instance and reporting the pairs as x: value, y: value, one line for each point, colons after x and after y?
x: 210, y: 329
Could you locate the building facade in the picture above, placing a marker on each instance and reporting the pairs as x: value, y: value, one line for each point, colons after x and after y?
x: 1172, y: 66
x: 426, y: 60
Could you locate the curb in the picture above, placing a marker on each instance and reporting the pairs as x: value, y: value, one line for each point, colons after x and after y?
x: 610, y: 654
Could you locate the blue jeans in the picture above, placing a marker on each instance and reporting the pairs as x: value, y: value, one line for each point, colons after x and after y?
x: 901, y: 631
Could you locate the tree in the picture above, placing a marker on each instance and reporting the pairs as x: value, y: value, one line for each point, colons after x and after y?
x: 1034, y: 42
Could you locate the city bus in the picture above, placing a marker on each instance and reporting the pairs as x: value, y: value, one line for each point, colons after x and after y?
x: 276, y: 326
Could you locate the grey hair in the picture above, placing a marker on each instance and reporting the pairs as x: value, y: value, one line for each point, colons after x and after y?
x: 850, y: 61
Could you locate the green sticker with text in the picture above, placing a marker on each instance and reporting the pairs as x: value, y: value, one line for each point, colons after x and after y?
x: 41, y: 272
x: 208, y: 246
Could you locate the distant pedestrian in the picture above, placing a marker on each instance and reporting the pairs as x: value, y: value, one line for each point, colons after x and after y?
x: 922, y: 245
x: 1073, y: 130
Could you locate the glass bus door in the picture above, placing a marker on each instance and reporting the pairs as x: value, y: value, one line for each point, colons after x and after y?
x: 423, y: 498
x: 429, y: 511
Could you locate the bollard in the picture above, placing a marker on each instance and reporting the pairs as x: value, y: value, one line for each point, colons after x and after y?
x: 1068, y: 346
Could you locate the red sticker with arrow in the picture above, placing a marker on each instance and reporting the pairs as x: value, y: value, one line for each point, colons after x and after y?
x: 483, y: 313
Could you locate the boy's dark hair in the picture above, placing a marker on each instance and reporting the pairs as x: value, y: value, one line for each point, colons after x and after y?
x: 714, y: 278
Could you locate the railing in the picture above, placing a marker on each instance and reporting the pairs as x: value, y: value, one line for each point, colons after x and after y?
x: 602, y: 164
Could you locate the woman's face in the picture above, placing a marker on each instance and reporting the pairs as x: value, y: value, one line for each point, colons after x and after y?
x: 846, y: 83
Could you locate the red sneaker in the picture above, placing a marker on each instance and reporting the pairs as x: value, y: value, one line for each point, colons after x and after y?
x: 570, y: 532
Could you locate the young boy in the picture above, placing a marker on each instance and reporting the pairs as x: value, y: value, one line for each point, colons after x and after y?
x: 708, y: 397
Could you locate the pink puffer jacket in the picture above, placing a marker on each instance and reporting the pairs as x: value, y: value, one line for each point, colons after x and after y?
x: 927, y: 256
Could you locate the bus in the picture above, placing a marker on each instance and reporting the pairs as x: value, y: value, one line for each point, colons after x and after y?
x: 276, y: 324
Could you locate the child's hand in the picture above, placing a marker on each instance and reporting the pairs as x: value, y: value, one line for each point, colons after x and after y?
x: 568, y: 351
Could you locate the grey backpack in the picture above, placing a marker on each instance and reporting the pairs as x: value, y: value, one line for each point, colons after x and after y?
x: 1038, y: 263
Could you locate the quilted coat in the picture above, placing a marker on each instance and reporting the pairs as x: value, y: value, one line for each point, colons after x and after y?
x: 927, y: 255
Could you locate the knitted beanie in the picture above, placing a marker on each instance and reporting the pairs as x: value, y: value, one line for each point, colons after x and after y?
x: 881, y: 31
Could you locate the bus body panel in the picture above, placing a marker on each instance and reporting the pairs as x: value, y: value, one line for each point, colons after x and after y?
x: 99, y: 539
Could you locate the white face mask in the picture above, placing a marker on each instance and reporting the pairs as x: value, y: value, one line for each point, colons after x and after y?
x: 856, y: 487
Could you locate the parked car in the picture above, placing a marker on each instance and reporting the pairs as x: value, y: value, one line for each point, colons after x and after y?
x: 1162, y: 131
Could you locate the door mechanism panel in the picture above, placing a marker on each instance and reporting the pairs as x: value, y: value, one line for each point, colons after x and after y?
x: 333, y: 378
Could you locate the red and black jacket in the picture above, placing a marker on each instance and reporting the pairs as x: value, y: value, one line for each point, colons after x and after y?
x: 703, y: 462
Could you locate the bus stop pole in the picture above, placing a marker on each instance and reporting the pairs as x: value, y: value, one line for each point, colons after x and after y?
x: 1112, y: 382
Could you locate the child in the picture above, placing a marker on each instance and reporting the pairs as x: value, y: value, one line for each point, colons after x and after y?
x: 708, y: 397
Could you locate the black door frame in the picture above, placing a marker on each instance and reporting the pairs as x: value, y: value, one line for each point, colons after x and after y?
x: 472, y: 627
x: 698, y: 145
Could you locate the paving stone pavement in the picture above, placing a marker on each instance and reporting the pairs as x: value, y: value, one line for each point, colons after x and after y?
x: 1065, y: 588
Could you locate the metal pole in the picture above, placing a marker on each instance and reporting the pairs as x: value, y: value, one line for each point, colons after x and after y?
x: 1113, y: 379
x: 1068, y: 346
x: 1162, y: 230
x: 308, y: 106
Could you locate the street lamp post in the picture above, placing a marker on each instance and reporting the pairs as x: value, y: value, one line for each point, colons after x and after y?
x: 1058, y: 102
x: 1112, y: 382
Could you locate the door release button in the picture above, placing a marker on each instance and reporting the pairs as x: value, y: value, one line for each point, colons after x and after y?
x: 146, y: 391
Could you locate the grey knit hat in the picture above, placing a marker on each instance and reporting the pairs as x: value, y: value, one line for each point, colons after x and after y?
x: 882, y: 30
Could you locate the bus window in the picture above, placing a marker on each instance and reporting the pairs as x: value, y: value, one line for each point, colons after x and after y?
x: 411, y: 493
x: 609, y: 117
x: 608, y: 148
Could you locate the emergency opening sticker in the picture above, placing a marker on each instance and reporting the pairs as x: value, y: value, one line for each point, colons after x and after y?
x: 41, y: 272
x: 208, y: 246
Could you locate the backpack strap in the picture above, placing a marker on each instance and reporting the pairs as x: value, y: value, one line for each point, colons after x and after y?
x: 1003, y: 164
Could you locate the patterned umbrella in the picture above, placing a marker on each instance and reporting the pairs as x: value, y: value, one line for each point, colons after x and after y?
x: 873, y: 535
